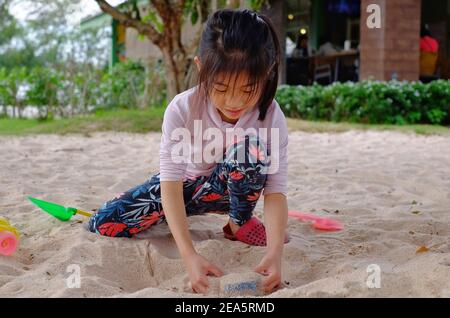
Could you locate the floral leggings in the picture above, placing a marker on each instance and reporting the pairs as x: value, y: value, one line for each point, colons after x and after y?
x: 233, y: 187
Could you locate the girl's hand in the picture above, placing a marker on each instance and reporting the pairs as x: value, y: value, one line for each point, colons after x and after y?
x: 270, y: 266
x: 198, y: 269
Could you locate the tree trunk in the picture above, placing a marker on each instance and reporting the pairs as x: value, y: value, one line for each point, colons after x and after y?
x: 19, y: 111
x: 175, y: 55
x: 175, y: 64
x: 16, y: 107
x: 146, y: 98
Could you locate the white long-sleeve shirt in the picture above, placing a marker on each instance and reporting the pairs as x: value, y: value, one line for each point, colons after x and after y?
x: 195, y: 117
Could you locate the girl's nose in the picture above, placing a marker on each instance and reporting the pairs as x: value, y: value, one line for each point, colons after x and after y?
x: 233, y: 101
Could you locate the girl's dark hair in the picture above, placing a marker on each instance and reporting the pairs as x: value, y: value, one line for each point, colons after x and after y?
x: 240, y: 41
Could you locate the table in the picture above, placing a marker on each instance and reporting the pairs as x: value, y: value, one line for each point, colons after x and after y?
x: 334, y: 59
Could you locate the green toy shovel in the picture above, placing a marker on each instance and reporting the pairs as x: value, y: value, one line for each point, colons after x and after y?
x: 58, y: 211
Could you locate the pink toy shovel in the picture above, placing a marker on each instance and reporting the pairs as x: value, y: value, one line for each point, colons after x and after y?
x: 319, y: 223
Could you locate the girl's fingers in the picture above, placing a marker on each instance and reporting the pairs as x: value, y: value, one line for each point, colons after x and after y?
x: 268, y: 280
x: 272, y: 287
x: 204, y: 282
x: 201, y: 287
x: 261, y: 269
x: 270, y: 283
x: 215, y: 270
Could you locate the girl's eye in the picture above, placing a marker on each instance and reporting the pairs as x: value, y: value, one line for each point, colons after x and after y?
x: 248, y: 92
x: 220, y: 90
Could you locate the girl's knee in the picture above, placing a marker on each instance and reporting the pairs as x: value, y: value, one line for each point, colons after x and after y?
x: 249, y: 150
x: 104, y: 223
x: 110, y: 229
x: 246, y: 165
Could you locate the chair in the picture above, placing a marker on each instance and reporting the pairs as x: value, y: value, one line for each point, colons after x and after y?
x: 323, y: 72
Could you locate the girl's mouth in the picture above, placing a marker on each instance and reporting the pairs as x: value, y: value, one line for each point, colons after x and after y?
x: 235, y: 112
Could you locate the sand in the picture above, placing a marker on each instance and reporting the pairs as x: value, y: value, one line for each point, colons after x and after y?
x: 391, y: 191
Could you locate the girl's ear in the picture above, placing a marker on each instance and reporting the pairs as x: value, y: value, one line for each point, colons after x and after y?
x: 197, y: 63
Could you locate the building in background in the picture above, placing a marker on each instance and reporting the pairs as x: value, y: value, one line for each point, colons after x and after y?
x: 126, y: 42
x: 391, y: 52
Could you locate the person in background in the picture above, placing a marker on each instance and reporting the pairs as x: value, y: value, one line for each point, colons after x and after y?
x: 301, y: 50
x: 429, y: 48
x: 290, y: 46
x: 427, y: 42
x: 327, y: 48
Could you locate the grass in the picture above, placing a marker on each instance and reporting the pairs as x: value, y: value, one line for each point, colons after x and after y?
x: 150, y: 119
x: 132, y: 120
x: 331, y: 127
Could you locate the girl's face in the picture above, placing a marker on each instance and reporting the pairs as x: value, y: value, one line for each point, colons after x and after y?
x: 231, y: 96
x: 232, y: 99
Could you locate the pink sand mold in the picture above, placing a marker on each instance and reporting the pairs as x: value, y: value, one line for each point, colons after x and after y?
x: 8, y: 243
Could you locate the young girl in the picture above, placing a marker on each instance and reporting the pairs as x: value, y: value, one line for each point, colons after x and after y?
x: 238, y: 66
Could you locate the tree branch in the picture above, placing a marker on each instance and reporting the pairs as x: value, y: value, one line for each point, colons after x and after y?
x: 125, y: 19
x: 164, y: 10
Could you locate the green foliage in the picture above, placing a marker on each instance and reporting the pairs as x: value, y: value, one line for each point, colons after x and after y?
x: 196, y: 9
x: 125, y: 86
x: 257, y: 4
x: 5, y: 96
x: 43, y: 86
x: 8, y: 24
x: 42, y: 38
x: 11, y: 82
x: 371, y: 102
x: 14, y: 50
x: 155, y: 20
x: 63, y: 92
